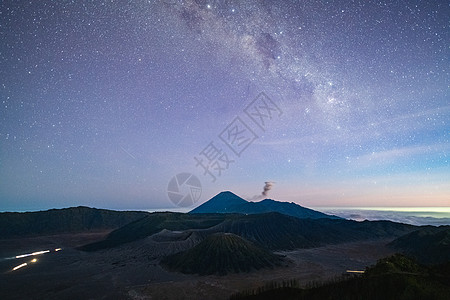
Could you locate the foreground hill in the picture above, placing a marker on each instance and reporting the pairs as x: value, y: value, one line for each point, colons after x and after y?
x: 274, y: 231
x: 222, y: 253
x: 227, y: 202
x: 430, y: 245
x: 396, y: 277
x: 66, y: 220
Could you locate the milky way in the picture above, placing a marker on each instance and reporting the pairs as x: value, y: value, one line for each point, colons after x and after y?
x: 103, y: 102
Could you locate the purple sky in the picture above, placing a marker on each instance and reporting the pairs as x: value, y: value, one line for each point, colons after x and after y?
x: 103, y: 102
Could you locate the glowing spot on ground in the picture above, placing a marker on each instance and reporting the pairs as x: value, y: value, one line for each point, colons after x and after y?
x: 58, y: 249
x: 20, y: 266
x: 34, y: 260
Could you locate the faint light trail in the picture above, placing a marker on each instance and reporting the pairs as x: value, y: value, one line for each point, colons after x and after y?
x: 357, y: 272
x: 20, y: 266
x: 30, y: 254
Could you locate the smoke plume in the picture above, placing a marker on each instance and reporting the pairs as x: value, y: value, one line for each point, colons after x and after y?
x: 267, y: 187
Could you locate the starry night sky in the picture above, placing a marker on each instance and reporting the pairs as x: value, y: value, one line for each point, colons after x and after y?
x: 103, y: 102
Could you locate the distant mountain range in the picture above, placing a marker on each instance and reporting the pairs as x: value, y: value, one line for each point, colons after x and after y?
x: 232, y: 243
x: 273, y: 230
x: 225, y: 234
x: 81, y: 218
x: 66, y: 220
x: 281, y: 232
x: 227, y: 202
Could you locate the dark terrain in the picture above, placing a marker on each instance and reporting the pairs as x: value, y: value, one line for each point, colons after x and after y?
x: 137, y: 255
x: 395, y: 277
x: 66, y: 220
x: 429, y: 245
x: 221, y: 254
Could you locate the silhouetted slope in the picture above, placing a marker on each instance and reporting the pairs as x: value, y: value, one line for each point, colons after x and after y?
x: 271, y: 230
x: 74, y: 219
x: 224, y: 202
x: 220, y: 254
x: 227, y: 202
x: 154, y: 223
x: 396, y: 277
x: 429, y: 245
x: 281, y: 232
x: 287, y: 208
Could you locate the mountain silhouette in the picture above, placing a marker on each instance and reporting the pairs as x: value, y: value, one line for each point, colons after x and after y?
x: 220, y: 254
x: 272, y: 230
x: 277, y: 231
x: 430, y: 245
x: 66, y: 220
x: 227, y: 202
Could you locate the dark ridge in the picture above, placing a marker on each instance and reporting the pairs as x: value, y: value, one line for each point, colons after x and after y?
x: 227, y: 202
x: 280, y: 232
x: 274, y: 231
x: 154, y: 223
x: 66, y: 220
x: 430, y: 245
x: 220, y: 254
x: 396, y: 277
